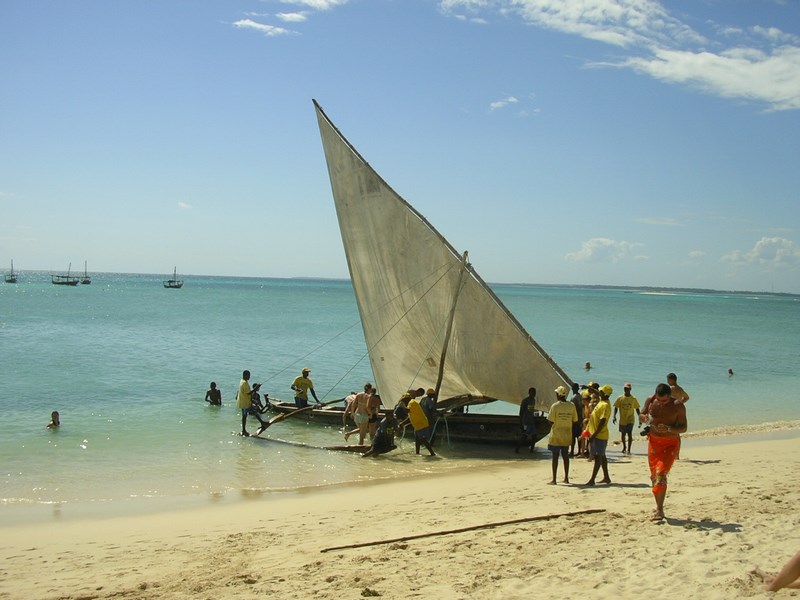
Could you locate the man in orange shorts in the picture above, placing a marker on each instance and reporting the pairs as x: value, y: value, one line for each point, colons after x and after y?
x: 667, y: 422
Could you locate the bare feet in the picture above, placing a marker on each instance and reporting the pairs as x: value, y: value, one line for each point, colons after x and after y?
x: 606, y: 481
x: 591, y: 482
x: 566, y: 480
x: 347, y: 435
x: 551, y: 482
x: 657, y: 516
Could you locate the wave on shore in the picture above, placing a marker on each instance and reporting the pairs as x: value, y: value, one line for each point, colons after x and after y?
x: 743, y: 429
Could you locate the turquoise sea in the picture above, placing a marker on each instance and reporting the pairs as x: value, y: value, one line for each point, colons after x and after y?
x: 127, y: 363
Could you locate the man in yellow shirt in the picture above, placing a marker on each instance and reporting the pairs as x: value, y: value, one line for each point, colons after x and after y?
x: 562, y: 415
x: 244, y: 400
x: 421, y: 425
x: 598, y: 433
x: 626, y: 404
x: 301, y: 386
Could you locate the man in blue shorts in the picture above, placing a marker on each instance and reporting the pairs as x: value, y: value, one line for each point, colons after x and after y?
x: 562, y: 415
x: 598, y: 433
x: 244, y: 400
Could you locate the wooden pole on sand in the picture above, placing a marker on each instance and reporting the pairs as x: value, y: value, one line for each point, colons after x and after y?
x: 463, y: 529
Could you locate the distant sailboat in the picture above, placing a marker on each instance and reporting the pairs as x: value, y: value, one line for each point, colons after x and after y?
x: 174, y: 283
x: 65, y: 279
x: 86, y: 280
x: 12, y: 276
x: 429, y: 320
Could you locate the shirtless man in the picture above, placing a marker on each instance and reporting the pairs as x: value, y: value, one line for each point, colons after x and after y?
x: 213, y: 395
x: 361, y: 413
x: 677, y: 391
x: 374, y: 408
x: 667, y: 422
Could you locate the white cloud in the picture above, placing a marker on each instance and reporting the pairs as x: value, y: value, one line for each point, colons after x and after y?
x: 294, y: 17
x: 767, y: 252
x: 758, y: 63
x: 316, y: 4
x: 268, y: 30
x: 697, y: 254
x: 746, y: 73
x: 602, y: 250
x: 775, y: 35
x: 497, y: 104
x: 184, y: 206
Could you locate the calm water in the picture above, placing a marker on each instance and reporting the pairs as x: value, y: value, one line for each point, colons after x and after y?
x: 127, y: 364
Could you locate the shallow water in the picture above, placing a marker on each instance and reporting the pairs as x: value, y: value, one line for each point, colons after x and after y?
x: 127, y: 364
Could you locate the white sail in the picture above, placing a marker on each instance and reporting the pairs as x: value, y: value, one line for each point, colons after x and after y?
x: 406, y: 278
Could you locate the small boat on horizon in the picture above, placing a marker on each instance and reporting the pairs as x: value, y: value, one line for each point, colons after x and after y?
x: 174, y: 283
x: 12, y: 276
x: 67, y: 279
x: 85, y: 280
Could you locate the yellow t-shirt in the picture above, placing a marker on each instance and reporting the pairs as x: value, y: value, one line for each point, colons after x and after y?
x: 417, y: 415
x: 303, y: 384
x: 243, y: 397
x: 600, y: 412
x: 627, y: 405
x: 562, y: 415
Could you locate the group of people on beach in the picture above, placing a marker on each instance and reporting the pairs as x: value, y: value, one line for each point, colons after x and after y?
x: 663, y: 413
x: 581, y: 422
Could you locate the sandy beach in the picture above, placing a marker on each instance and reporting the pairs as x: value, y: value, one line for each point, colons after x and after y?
x: 731, y: 506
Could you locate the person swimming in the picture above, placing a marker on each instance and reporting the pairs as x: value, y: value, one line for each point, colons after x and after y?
x: 55, y: 420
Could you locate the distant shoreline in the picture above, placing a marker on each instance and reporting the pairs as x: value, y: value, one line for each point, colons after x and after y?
x: 577, y: 286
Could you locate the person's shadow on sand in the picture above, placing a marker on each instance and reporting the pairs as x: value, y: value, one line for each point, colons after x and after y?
x: 705, y: 524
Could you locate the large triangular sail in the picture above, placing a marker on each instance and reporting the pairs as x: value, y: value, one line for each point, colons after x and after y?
x: 412, y: 289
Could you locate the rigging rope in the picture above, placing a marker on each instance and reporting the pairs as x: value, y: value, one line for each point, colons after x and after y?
x: 447, y: 269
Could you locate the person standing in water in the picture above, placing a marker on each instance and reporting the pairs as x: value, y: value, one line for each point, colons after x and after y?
x: 55, y: 420
x: 244, y: 400
x: 419, y: 421
x: 213, y: 395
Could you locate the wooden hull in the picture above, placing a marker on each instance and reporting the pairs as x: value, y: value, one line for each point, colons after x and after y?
x: 64, y: 280
x: 458, y: 428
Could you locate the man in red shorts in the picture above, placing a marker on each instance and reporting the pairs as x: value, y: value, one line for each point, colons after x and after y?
x: 667, y: 422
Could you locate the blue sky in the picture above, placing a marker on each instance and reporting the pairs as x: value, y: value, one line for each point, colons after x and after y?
x: 620, y: 142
